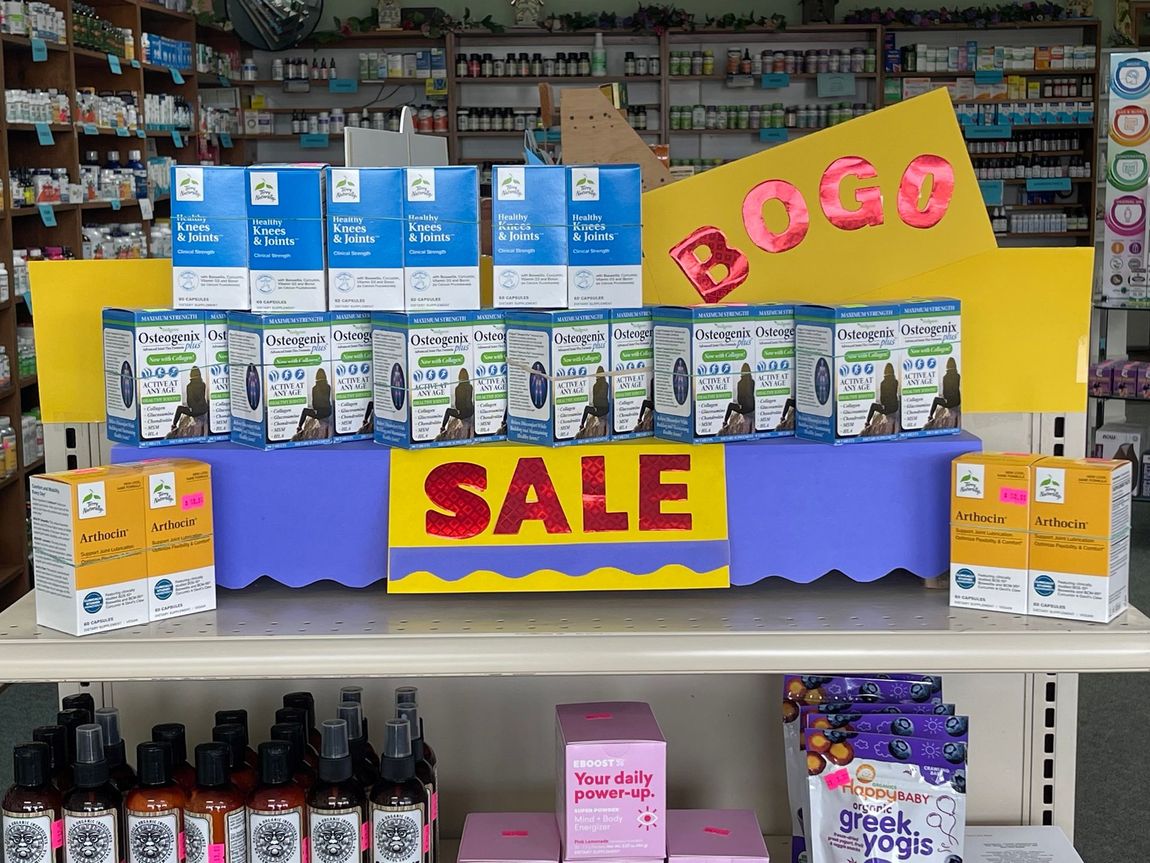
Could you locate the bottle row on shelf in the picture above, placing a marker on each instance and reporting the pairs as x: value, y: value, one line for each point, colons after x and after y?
x: 373, y: 66
x: 745, y: 61
x: 31, y: 430
x: 103, y: 108
x: 1033, y: 168
x: 35, y: 19
x: 113, y: 180
x: 563, y: 64
x: 975, y: 57
x: 1059, y: 140
x: 93, y: 31
x: 496, y: 119
x: 770, y: 116
x: 1005, y: 221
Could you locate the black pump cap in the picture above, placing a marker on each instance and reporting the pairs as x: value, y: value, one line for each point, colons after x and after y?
x: 174, y: 734
x: 30, y: 764
x: 335, y: 756
x: 236, y: 739
x: 154, y: 763
x: 82, y: 700
x: 294, y: 735
x: 91, y: 769
x: 232, y: 717
x: 275, y: 762
x: 72, y: 719
x: 212, y: 764
x: 304, y: 701
x: 293, y: 714
x: 53, y: 736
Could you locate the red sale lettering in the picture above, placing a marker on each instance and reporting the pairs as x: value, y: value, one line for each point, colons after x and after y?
x: 868, y: 198
x: 596, y: 517
x: 719, y: 255
x: 910, y: 190
x: 531, y: 476
x: 466, y: 514
x: 614, y: 786
x: 798, y: 216
x: 653, y: 491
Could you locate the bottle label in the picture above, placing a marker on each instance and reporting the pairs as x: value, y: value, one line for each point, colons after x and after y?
x: 91, y: 837
x: 276, y: 837
x: 335, y: 835
x: 27, y: 838
x: 153, y: 837
x: 400, y: 834
x: 197, y: 837
x: 237, y: 838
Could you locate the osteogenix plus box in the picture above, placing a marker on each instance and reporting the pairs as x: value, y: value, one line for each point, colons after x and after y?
x: 441, y: 239
x: 529, y: 236
x: 632, y: 373
x: 351, y: 377
x: 611, y: 786
x: 219, y: 380
x: 605, y: 243
x: 156, y: 376
x: 489, y: 374
x: 209, y: 238
x: 930, y: 350
x: 286, y: 231
x: 365, y: 238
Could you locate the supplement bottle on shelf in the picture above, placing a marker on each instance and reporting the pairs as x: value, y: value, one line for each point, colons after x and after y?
x: 296, y: 738
x: 155, y: 808
x: 355, y: 693
x: 215, y: 818
x: 175, y: 736
x: 410, y: 695
x: 83, y: 700
x: 276, y: 808
x: 235, y: 738
x: 305, y: 701
x: 299, y: 717
x: 60, y: 769
x: 30, y: 811
x: 336, y: 802
x: 240, y: 717
x: 93, y: 810
x: 425, y: 773
x: 399, y: 804
x: 365, y: 772
x: 115, y: 750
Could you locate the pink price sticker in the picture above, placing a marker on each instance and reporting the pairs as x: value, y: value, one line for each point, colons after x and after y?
x: 837, y: 779
x: 217, y: 852
x: 305, y: 850
x: 434, y: 806
x: 364, y: 836
x: 192, y: 501
x: 515, y: 834
x: 426, y: 838
x: 717, y: 831
x: 594, y: 716
x: 181, y: 847
x: 1016, y: 496
x: 57, y: 835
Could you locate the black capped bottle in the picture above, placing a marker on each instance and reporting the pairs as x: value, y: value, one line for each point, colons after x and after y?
x: 366, y: 773
x: 234, y: 736
x: 53, y: 736
x: 336, y: 803
x: 83, y: 700
x: 410, y: 695
x: 93, y: 810
x: 425, y: 772
x: 123, y: 776
x: 299, y: 716
x: 154, y: 809
x: 240, y: 717
x: 216, y: 815
x: 296, y: 738
x: 305, y: 701
x: 175, y: 736
x: 31, y: 830
x: 276, y: 809
x: 71, y: 719
x: 400, y: 830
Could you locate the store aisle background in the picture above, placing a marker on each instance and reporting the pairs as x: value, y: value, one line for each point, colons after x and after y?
x: 1104, y: 803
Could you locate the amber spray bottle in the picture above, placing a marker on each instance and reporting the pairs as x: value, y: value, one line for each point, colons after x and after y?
x: 115, y: 750
x: 410, y: 695
x: 336, y: 804
x: 425, y: 772
x: 401, y: 832
x: 299, y: 716
x: 306, y: 701
x: 30, y: 827
x: 355, y: 693
x: 215, y: 818
x: 277, y: 809
x: 174, y: 734
x: 366, y: 773
x: 154, y: 809
x: 53, y: 736
x: 71, y: 719
x: 93, y: 810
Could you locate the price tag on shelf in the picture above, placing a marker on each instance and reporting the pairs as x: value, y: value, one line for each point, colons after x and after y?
x: 140, y: 133
x: 835, y: 84
x: 177, y: 138
x: 992, y: 191
x: 122, y: 132
x: 115, y: 202
x: 47, y: 215
x: 988, y: 76
x: 44, y: 134
x: 314, y: 141
x: 775, y: 80
x: 39, y: 50
x: 1048, y: 184
x: 135, y: 64
x: 225, y: 82
x: 772, y: 136
x: 90, y: 129
x: 225, y: 140
x: 146, y: 209
x: 177, y: 75
x: 997, y: 130
x: 343, y: 85
x: 114, y: 64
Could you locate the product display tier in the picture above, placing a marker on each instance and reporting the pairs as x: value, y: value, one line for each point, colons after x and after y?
x: 269, y: 631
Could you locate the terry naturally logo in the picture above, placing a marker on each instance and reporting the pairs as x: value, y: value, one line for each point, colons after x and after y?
x: 969, y: 480
x: 189, y: 184
x: 92, y: 501
x: 345, y: 189
x: 420, y: 184
x: 1050, y: 485
x: 511, y: 184
x: 161, y: 487
x: 264, y: 189
x: 584, y: 184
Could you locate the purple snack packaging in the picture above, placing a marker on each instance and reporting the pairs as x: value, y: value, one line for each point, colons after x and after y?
x: 611, y: 792
x: 715, y: 836
x: 921, y: 725
x: 509, y: 837
x: 1126, y: 379
x: 882, y: 797
x: 1101, y: 382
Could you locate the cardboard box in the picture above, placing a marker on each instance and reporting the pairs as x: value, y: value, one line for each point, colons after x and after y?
x: 441, y: 240
x: 219, y: 382
x: 156, y: 376
x: 509, y: 837
x: 209, y: 238
x: 1101, y: 380
x: 1127, y: 379
x: 280, y: 366
x: 286, y: 231
x: 632, y: 373
x: 846, y: 372
x: 715, y: 836
x: 351, y: 377
x: 1122, y: 441
x: 611, y: 785
x: 489, y: 374
x: 529, y: 236
x: 365, y: 238
x: 605, y: 244
x: 930, y: 352
x: 558, y: 392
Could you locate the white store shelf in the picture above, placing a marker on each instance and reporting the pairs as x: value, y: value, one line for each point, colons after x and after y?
x: 268, y: 631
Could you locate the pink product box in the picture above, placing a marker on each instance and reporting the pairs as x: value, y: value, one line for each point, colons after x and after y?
x: 1102, y: 378
x: 715, y: 836
x: 1127, y: 376
x: 611, y: 792
x: 509, y: 837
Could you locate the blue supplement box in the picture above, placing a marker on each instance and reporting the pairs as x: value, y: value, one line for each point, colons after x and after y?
x: 441, y: 241
x: 209, y: 238
x: 529, y: 236
x: 605, y: 244
x: 365, y: 238
x: 286, y: 238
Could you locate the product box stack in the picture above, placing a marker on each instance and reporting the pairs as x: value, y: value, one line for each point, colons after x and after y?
x: 852, y: 745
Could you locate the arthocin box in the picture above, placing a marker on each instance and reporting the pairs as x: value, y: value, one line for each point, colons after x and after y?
x: 931, y: 366
x: 989, y: 518
x: 351, y: 378
x: 1080, y: 538
x: 611, y: 791
x: 280, y: 379
x: 209, y: 238
x: 286, y: 238
x: 509, y: 837
x: 632, y: 373
x: 489, y: 374
x: 219, y: 381
x: 422, y: 366
x: 155, y: 374
x: 846, y: 366
x: 715, y: 836
x: 558, y: 391
x: 88, y: 547
x: 365, y: 238
x: 529, y: 236
x: 441, y: 239
x: 605, y: 245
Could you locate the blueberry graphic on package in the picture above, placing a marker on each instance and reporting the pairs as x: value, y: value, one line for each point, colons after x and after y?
x: 958, y: 782
x: 920, y: 692
x: 900, y: 750
x: 956, y: 725
x: 955, y: 753
x: 902, y: 726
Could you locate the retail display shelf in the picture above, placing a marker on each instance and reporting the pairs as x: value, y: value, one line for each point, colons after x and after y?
x: 561, y: 79
x: 324, y: 631
x: 25, y: 42
x: 1042, y: 235
x: 1041, y: 153
x: 7, y: 573
x: 28, y: 381
x: 8, y: 480
x: 34, y: 465
x: 35, y: 211
x: 33, y: 127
